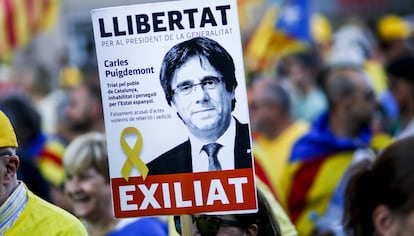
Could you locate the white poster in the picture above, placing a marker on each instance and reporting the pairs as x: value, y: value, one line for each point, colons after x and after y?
x: 175, y: 108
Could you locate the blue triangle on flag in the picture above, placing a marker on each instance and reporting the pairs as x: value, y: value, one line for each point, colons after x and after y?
x: 295, y: 19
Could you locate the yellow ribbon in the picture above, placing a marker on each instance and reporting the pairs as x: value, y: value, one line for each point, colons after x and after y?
x: 133, y: 158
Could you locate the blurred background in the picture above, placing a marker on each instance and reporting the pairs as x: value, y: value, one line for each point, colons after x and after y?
x: 50, y: 89
x: 58, y: 33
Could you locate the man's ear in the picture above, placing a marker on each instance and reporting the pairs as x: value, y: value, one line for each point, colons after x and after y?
x: 12, y: 165
x: 252, y: 230
x: 385, y: 223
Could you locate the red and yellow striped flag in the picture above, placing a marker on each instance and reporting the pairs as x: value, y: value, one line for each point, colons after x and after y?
x: 20, y: 19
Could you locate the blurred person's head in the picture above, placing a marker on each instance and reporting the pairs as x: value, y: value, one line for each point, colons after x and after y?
x: 34, y: 79
x: 401, y: 81
x: 379, y: 198
x: 353, y: 45
x: 84, y: 111
x: 393, y: 32
x: 9, y: 161
x: 87, y: 176
x: 302, y: 68
x: 23, y: 115
x: 350, y: 96
x: 261, y: 223
x: 269, y: 105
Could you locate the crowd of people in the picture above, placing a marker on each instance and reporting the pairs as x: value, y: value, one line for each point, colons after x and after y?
x: 324, y: 112
x: 332, y: 134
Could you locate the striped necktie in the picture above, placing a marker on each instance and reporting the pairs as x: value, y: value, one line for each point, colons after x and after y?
x: 212, y: 149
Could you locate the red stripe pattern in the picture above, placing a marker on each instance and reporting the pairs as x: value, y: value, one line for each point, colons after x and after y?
x: 260, y: 173
x: 20, y: 19
x: 301, y: 185
x: 9, y: 22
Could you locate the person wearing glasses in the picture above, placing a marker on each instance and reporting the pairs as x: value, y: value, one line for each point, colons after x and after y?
x: 21, y: 211
x: 261, y: 223
x: 199, y: 82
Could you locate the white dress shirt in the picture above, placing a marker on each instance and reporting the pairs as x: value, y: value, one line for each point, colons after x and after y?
x: 225, y: 154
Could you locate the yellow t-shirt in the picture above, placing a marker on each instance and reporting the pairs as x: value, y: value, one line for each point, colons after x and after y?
x: 272, y: 155
x: 42, y: 218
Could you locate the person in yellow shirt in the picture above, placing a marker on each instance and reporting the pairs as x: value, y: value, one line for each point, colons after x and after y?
x: 21, y: 211
x: 275, y: 131
x: 317, y: 167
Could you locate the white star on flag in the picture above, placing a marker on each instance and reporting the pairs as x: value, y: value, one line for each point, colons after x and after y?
x: 291, y: 15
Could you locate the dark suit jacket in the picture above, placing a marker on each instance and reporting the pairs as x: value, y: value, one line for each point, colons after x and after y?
x: 178, y: 159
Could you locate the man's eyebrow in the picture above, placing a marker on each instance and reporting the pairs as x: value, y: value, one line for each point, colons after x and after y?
x: 212, y: 77
x: 189, y: 81
x: 185, y: 82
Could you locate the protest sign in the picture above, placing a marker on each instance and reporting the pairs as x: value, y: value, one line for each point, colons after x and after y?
x: 175, y: 108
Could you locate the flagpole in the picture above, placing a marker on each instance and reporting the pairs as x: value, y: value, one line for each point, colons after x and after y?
x: 186, y: 225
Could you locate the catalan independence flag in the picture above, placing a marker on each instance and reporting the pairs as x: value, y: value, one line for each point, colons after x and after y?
x: 284, y: 28
x: 295, y: 20
x: 316, y: 166
x: 20, y: 19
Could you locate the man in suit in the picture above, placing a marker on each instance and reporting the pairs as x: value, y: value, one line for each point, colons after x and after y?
x: 217, y: 140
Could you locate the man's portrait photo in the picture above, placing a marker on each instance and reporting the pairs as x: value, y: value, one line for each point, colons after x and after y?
x: 199, y: 82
